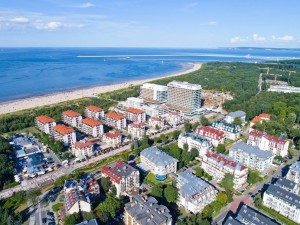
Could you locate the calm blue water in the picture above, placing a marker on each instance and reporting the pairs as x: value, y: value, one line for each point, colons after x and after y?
x: 26, y: 72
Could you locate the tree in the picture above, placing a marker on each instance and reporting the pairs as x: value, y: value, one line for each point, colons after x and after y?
x: 204, y: 121
x: 194, y: 153
x: 222, y: 198
x: 145, y: 141
x: 105, y: 184
x: 170, y: 193
x: 157, y: 191
x: 33, y: 196
x: 187, y: 126
x: 175, y: 134
x: 207, y: 212
x: 72, y: 219
x: 113, y: 190
x: 199, y: 171
x: 195, y: 125
x: 185, y: 147
x: 157, y: 127
x: 227, y: 182
x: 163, y: 138
x: 221, y: 148
x: 258, y: 201
x: 253, y: 176
x: 186, y: 157
x: 156, y: 140
x: 237, y: 121
x: 110, y: 207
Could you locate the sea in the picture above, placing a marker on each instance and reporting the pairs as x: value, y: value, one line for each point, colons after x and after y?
x: 27, y: 72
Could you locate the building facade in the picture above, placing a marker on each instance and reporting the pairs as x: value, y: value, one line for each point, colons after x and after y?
x: 158, y: 162
x: 237, y: 114
x: 82, y: 149
x: 124, y: 177
x: 193, y: 192
x: 115, y: 120
x: 294, y: 172
x: 142, y: 210
x: 133, y: 102
x: 92, y: 127
x: 231, y: 131
x: 173, y: 118
x: 45, y: 124
x: 184, y: 96
x: 156, y: 122
x: 72, y: 118
x: 135, y: 115
x: 112, y: 138
x: 94, y: 112
x: 217, y: 165
x: 203, y: 145
x: 154, y: 92
x: 215, y: 136
x: 266, y: 142
x: 65, y: 134
x: 136, y: 130
x: 284, y: 202
x: 251, y: 156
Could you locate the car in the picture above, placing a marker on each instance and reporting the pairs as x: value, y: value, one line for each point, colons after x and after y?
x: 51, y: 223
x: 50, y: 213
x: 44, y: 220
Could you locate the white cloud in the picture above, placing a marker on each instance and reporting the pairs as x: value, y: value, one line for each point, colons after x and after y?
x: 258, y: 38
x: 85, y: 5
x: 238, y: 39
x: 48, y: 26
x: 20, y: 20
x: 283, y: 38
x: 212, y: 23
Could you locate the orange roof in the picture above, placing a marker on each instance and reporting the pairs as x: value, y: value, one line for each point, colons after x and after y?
x: 45, y: 119
x: 136, y: 125
x: 256, y: 119
x: 63, y: 129
x: 71, y: 113
x: 114, y: 115
x: 94, y: 108
x: 265, y: 115
x: 83, y: 144
x: 91, y: 122
x: 135, y: 111
x: 112, y: 135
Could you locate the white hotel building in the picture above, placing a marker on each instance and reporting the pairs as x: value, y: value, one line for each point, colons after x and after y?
x: 154, y: 92
x: 218, y: 165
x: 251, y: 156
x: 193, y: 192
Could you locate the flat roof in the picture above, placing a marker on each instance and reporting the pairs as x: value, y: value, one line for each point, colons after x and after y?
x: 158, y: 157
x: 185, y: 85
x: 251, y: 150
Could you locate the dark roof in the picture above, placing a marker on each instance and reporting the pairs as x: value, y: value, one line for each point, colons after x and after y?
x: 118, y: 170
x: 231, y: 221
x: 248, y: 215
x: 283, y: 194
x: 145, y: 210
x: 285, y: 183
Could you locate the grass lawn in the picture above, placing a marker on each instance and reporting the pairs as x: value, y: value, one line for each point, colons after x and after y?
x: 279, y: 217
x: 57, y: 206
x: 31, y: 130
x: 150, y: 178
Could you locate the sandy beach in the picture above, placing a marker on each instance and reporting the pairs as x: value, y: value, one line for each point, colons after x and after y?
x: 27, y: 103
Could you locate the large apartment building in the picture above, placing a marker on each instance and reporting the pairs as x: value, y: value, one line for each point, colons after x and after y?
x: 217, y: 165
x: 215, y: 136
x: 91, y: 127
x: 294, y: 172
x: 203, y: 145
x: 124, y: 177
x: 72, y: 118
x: 251, y: 156
x: 142, y: 210
x: 94, y: 112
x: 193, y: 192
x: 45, y: 124
x: 158, y: 162
x: 287, y: 185
x: 184, y: 96
x: 266, y: 142
x: 135, y: 115
x: 154, y: 92
x: 284, y: 202
x: 115, y: 120
x: 231, y: 131
x: 65, y: 134
x: 136, y: 130
x: 82, y: 149
x: 237, y: 114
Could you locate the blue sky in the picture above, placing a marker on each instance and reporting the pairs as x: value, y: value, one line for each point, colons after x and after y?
x: 150, y: 23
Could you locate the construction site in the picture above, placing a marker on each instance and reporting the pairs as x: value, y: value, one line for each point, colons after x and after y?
x: 215, y: 98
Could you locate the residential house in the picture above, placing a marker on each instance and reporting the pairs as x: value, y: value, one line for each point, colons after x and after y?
x: 231, y: 131
x: 82, y: 149
x: 237, y: 114
x: 156, y: 122
x: 259, y: 119
x: 136, y: 130
x: 112, y: 138
x: 287, y: 185
x: 294, y: 173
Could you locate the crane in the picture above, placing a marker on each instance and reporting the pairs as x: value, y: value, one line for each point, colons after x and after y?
x: 267, y: 68
x: 275, y: 75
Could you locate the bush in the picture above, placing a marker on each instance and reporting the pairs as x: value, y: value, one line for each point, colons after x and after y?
x: 57, y: 206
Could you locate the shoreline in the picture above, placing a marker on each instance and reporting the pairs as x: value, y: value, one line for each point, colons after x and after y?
x: 57, y: 97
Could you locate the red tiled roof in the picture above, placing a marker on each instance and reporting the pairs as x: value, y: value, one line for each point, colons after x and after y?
x: 265, y: 115
x: 268, y: 137
x: 63, y: 129
x: 256, y: 119
x: 174, y: 113
x: 114, y: 115
x: 45, y: 119
x: 225, y: 161
x: 71, y: 113
x: 136, y: 125
x: 91, y: 122
x: 135, y: 111
x: 112, y: 175
x: 94, y: 108
x: 83, y: 144
x: 156, y: 118
x: 209, y: 132
x: 112, y: 135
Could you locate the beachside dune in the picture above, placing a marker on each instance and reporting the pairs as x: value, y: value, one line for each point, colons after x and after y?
x: 27, y: 103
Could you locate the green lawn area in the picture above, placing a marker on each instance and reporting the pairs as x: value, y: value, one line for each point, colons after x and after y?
x: 57, y: 206
x: 150, y: 178
x: 31, y: 130
x: 279, y: 217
